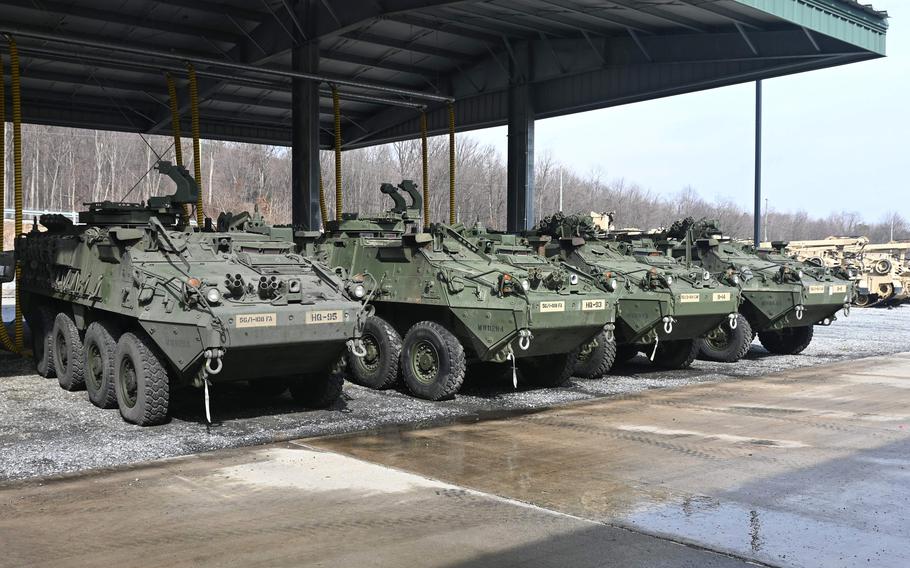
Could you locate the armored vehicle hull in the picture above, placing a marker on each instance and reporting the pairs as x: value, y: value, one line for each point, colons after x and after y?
x: 445, y: 304
x: 129, y: 306
x: 780, y: 301
x: 664, y: 307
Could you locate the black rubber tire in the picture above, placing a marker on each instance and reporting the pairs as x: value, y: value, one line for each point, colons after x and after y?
x: 42, y: 328
x: 69, y: 360
x: 733, y: 347
x: 318, y: 390
x: 148, y: 405
x: 864, y: 300
x: 99, y: 347
x: 677, y: 354
x: 599, y: 359
x: 379, y: 369
x: 547, y: 370
x: 625, y: 353
x: 449, y: 356
x: 787, y: 341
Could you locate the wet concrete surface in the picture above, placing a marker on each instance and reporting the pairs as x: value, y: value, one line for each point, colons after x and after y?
x: 804, y: 468
x: 46, y: 431
x: 290, y: 505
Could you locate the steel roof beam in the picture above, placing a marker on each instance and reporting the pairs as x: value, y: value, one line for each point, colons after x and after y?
x: 565, y: 22
x: 337, y: 55
x: 546, y: 22
x: 662, y: 14
x: 217, y: 8
x: 497, y: 23
x: 412, y: 46
x: 62, y: 9
x: 712, y: 7
x: 203, y: 60
x: 445, y: 26
x: 619, y: 21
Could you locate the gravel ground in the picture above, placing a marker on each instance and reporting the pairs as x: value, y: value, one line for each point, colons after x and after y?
x: 45, y: 430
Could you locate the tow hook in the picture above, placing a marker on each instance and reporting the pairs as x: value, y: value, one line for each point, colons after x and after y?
x: 799, y: 311
x: 668, y: 324
x: 213, y: 363
x: 846, y: 310
x: 734, y: 321
x: 524, y: 339
x: 356, y: 347
x: 608, y: 330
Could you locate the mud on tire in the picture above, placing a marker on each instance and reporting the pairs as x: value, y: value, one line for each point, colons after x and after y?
x: 432, y: 361
x: 69, y: 359
x: 140, y: 381
x: 595, y: 358
x: 787, y: 341
x: 726, y: 345
x: 100, y: 347
x: 379, y: 368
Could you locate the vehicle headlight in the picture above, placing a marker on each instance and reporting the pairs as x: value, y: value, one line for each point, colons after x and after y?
x: 611, y: 284
x: 213, y: 296
x: 746, y: 274
x: 358, y: 291
x: 573, y: 279
x: 799, y: 274
x: 735, y: 279
x: 706, y: 275
x: 669, y: 280
x: 525, y: 285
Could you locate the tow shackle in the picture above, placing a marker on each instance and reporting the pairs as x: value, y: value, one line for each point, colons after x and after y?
x: 799, y: 311
x: 356, y: 347
x: 524, y: 339
x: 213, y: 362
x: 734, y: 321
x: 668, y: 325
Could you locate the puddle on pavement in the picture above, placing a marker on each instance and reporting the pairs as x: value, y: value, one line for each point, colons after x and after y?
x: 775, y: 537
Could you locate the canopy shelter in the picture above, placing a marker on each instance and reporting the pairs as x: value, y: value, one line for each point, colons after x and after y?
x: 100, y: 64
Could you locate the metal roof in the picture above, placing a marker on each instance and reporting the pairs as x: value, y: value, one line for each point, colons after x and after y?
x: 575, y: 54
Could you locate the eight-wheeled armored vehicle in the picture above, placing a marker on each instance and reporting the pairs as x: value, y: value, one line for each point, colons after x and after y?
x: 780, y: 301
x: 442, y: 303
x: 665, y: 306
x: 593, y: 359
x: 133, y: 301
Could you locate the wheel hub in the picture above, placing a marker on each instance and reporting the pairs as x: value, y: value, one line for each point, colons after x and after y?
x: 129, y: 382
x: 425, y: 362
x: 95, y: 369
x: 370, y: 361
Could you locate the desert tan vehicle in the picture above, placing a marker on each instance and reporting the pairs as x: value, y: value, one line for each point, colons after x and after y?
x: 880, y: 274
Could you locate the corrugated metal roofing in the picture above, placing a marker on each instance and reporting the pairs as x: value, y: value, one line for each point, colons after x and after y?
x: 575, y: 54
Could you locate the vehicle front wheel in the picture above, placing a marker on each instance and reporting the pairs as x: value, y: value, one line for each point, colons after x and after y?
x: 432, y: 361
x: 547, y: 370
x: 42, y: 328
x: 595, y: 358
x: 319, y: 390
x: 726, y: 345
x: 140, y: 381
x: 69, y: 359
x: 677, y: 354
x: 787, y: 341
x: 378, y: 369
x: 99, y: 348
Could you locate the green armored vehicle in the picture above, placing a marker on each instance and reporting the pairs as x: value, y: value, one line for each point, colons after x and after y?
x: 133, y: 302
x: 665, y: 306
x: 782, y: 299
x: 454, y: 304
x: 593, y: 359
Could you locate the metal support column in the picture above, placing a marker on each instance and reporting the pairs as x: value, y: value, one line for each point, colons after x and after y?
x: 756, y: 227
x: 305, y: 122
x: 520, y: 159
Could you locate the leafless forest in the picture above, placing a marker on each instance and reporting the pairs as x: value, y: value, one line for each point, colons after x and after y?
x: 64, y: 168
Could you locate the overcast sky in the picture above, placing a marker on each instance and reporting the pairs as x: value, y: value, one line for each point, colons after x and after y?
x: 834, y: 139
